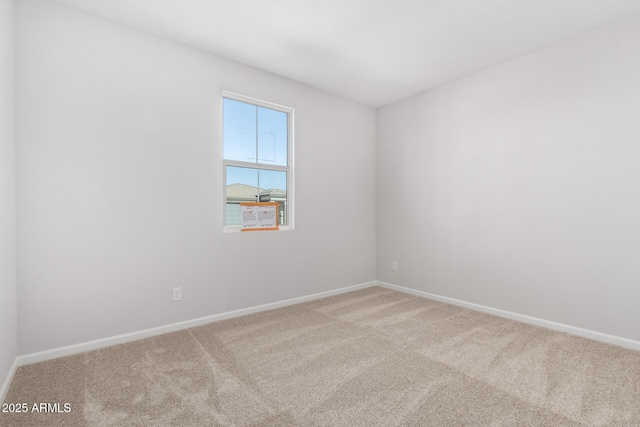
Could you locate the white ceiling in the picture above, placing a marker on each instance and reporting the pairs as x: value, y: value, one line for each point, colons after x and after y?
x: 372, y: 51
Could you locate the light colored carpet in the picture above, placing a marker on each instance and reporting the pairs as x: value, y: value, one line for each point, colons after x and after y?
x: 374, y: 357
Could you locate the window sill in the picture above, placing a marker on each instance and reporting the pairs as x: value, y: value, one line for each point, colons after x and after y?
x: 228, y: 229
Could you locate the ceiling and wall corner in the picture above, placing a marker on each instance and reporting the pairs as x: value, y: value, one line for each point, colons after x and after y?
x: 372, y: 51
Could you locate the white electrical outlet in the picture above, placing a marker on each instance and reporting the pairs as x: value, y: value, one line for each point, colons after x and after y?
x: 394, y: 265
x: 177, y: 294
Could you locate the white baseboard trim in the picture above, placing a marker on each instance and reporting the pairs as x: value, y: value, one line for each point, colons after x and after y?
x: 586, y: 333
x: 41, y: 356
x: 7, y: 381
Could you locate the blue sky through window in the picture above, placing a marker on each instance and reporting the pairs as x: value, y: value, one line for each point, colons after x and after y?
x: 251, y: 131
x: 239, y: 131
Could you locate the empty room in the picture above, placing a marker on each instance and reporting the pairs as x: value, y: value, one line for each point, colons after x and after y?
x: 319, y: 213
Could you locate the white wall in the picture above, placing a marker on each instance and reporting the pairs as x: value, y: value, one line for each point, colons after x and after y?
x: 518, y: 188
x: 8, y: 286
x: 119, y: 179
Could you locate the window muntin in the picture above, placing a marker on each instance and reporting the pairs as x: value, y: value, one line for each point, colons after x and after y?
x: 257, y: 145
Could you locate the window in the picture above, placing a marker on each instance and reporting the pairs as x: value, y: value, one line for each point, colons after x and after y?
x: 257, y: 145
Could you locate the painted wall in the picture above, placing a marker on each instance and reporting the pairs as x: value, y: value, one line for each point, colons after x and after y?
x: 120, y: 180
x: 8, y: 286
x: 518, y: 188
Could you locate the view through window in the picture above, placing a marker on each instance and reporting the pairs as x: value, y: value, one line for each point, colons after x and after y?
x: 256, y: 150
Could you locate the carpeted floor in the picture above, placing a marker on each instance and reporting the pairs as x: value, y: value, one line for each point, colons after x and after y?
x: 374, y: 357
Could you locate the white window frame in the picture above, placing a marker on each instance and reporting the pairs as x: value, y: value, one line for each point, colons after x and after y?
x: 289, y: 213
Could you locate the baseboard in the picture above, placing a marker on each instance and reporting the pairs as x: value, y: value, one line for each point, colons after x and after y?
x: 7, y: 381
x: 134, y: 336
x: 597, y: 336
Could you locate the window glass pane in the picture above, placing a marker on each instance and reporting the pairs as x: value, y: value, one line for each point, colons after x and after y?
x: 239, y: 127
x: 272, y: 137
x: 242, y: 186
x: 273, y: 185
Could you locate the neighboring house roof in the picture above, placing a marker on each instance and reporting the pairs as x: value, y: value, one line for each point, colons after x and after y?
x: 245, y: 193
x: 274, y: 193
x: 241, y: 191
